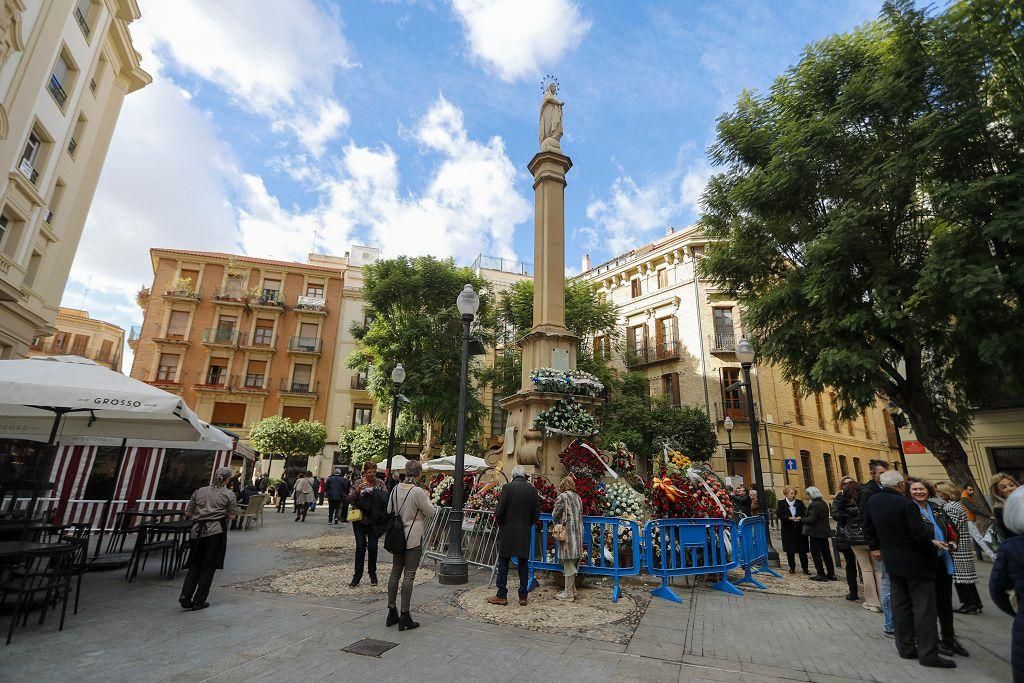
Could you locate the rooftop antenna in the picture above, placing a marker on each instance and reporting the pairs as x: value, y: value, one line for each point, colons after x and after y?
x: 85, y: 293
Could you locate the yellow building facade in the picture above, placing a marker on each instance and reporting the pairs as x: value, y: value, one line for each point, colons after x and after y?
x: 65, y: 68
x: 78, y: 334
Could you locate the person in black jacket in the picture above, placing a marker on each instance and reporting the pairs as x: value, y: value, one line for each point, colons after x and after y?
x: 791, y: 512
x: 898, y: 533
x: 849, y: 531
x: 818, y: 530
x: 517, y: 513
x: 337, y: 488
x: 283, y: 489
x: 1008, y: 575
x: 741, y: 500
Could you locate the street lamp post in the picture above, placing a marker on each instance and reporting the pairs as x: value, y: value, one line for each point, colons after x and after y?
x: 397, y: 377
x: 745, y: 355
x: 728, y: 423
x: 454, y: 568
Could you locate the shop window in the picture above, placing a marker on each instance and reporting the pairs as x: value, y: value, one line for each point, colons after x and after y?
x: 100, y: 485
x: 183, y: 472
x: 21, y: 460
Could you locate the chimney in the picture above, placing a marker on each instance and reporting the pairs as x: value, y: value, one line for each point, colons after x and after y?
x: 586, y: 263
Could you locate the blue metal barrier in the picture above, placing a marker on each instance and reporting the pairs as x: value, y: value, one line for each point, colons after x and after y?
x: 751, y: 549
x: 689, y: 547
x: 602, y: 544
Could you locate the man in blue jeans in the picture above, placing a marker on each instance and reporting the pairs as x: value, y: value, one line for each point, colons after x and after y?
x: 517, y: 513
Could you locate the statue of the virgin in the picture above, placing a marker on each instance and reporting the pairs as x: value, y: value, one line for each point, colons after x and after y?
x: 551, y: 121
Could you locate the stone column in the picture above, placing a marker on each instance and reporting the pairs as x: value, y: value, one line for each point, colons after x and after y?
x: 549, y: 169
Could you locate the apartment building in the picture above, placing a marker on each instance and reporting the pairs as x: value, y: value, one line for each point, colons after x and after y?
x: 65, y: 68
x: 681, y: 331
x: 78, y: 334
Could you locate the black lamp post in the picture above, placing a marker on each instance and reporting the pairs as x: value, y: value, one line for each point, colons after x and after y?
x: 397, y: 377
x: 728, y: 455
x: 745, y: 355
x: 454, y: 568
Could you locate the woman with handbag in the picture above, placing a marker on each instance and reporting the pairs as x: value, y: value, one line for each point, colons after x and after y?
x: 363, y: 500
x: 568, y: 531
x: 849, y: 533
x: 412, y: 506
x: 818, y: 531
x: 945, y: 536
x: 965, y: 574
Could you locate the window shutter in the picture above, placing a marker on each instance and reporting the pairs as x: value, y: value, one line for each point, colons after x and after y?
x: 675, y: 389
x: 631, y: 338
x: 295, y: 413
x: 257, y: 367
x: 228, y: 414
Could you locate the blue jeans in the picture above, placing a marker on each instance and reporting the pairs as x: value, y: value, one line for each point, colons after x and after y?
x: 886, y: 599
x: 502, y: 579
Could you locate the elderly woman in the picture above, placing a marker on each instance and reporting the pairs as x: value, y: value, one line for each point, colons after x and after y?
x: 818, y: 531
x: 1008, y: 577
x: 791, y: 513
x: 1001, y: 486
x: 568, y: 513
x: 303, y: 495
x: 210, y: 508
x: 412, y: 504
x: 366, y: 496
x: 965, y: 576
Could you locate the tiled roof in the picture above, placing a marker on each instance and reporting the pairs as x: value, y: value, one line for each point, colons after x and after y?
x: 251, y: 259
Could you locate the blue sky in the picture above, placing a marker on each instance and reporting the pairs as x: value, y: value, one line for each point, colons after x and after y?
x: 409, y: 125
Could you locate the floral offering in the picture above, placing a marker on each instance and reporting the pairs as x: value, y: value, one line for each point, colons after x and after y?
x: 566, y: 416
x: 484, y: 497
x: 591, y: 493
x: 697, y: 492
x: 620, y: 500
x: 547, y: 492
x: 579, y: 459
x: 566, y: 382
x: 623, y: 461
x: 441, y: 490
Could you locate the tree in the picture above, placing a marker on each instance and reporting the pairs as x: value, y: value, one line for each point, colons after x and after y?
x: 586, y: 315
x: 370, y: 443
x: 869, y: 220
x: 647, y: 424
x: 280, y: 436
x: 414, y: 321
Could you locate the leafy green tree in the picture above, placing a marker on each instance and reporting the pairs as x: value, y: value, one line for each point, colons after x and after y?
x: 869, y: 216
x: 414, y: 321
x: 646, y: 424
x: 370, y: 443
x: 586, y: 316
x: 291, y: 440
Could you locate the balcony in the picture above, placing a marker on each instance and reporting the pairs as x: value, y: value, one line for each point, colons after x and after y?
x: 298, y: 388
x: 305, y: 345
x: 359, y: 382
x: 736, y: 408
x: 655, y: 353
x: 28, y: 170
x: 57, y: 91
x: 220, y: 336
x: 270, y: 300
x: 134, y: 335
x: 230, y: 297
x: 253, y: 383
x: 311, y: 304
x: 188, y: 295
x: 722, y: 342
x: 257, y: 342
x: 218, y: 383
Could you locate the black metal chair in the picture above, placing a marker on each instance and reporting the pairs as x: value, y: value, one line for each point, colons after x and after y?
x: 152, y: 540
x: 36, y: 583
x: 78, y: 532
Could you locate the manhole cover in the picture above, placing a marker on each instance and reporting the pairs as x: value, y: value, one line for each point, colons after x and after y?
x: 369, y: 647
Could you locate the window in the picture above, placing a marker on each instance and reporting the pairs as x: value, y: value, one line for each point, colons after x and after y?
x: 34, y: 263
x: 309, y: 331
x: 830, y: 477
x: 217, y: 374
x: 498, y: 417
x: 190, y: 276
x: 83, y: 8
x: 670, y: 387
x: 177, y: 325
x: 315, y: 291
x: 5, y: 223
x: 301, y: 376
x: 255, y: 374
x: 805, y: 466
x: 849, y: 427
x: 637, y: 339
x: 105, y: 350
x: 857, y: 473
x: 167, y: 369
x: 635, y: 287
x: 361, y: 414
x: 228, y: 414
x: 602, y: 346
x: 295, y: 413
x: 100, y: 484
x: 182, y: 472
x: 61, y: 78
x: 58, y: 194
x: 832, y: 407
x: 226, y: 324
x: 663, y: 278
x: 665, y: 336
x: 798, y: 404
x: 97, y: 75
x: 60, y: 342
x: 264, y: 334
x: 821, y: 412
x: 271, y: 289
x: 844, y: 470
x: 10, y: 233
x: 79, y: 345
x: 867, y: 424
x: 76, y: 135
x: 725, y: 332
x: 735, y: 406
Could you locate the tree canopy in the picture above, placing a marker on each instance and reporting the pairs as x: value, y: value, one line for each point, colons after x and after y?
x: 410, y: 303
x: 280, y: 436
x: 870, y: 215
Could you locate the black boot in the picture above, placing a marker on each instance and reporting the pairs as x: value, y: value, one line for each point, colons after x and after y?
x: 405, y: 622
x: 392, y: 616
x: 373, y: 578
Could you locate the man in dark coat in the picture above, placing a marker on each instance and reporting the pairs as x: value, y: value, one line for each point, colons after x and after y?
x: 898, y: 534
x: 337, y: 487
x: 517, y: 513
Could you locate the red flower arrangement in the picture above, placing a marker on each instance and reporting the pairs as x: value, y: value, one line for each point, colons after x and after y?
x: 547, y: 492
x: 580, y: 461
x: 591, y: 492
x: 676, y: 496
x: 444, y: 482
x: 484, y: 497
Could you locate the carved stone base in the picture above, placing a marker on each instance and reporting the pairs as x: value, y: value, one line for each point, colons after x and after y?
x: 530, y: 448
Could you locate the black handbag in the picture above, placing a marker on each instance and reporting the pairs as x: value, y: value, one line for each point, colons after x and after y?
x: 853, y: 532
x: 395, y: 536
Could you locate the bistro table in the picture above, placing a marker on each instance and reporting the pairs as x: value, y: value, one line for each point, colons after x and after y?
x: 13, y: 550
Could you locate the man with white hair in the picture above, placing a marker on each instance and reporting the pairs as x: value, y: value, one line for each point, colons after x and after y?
x: 517, y: 512
x: 898, y: 534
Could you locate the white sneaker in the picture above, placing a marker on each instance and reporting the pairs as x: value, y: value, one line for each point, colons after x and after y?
x: 563, y: 596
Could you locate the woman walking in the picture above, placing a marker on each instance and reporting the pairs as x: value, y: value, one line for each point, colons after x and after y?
x: 1008, y: 575
x: 210, y: 508
x: 282, y: 494
x: 366, y: 496
x: 849, y: 532
x: 412, y: 504
x: 965, y: 576
x: 818, y: 531
x: 791, y: 513
x: 920, y: 491
x: 568, y: 513
x: 303, y: 495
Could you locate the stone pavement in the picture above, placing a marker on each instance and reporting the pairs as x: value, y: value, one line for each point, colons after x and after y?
x: 136, y: 632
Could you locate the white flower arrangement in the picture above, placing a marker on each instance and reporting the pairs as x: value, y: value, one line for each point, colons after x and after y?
x: 622, y: 501
x: 567, y: 417
x: 566, y: 382
x: 445, y: 484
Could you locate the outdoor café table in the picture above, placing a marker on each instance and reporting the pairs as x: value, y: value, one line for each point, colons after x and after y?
x: 13, y: 530
x: 177, y: 530
x: 14, y: 550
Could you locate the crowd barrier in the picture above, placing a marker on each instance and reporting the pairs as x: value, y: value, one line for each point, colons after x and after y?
x: 479, y: 538
x: 751, y: 550
x: 605, y: 551
x: 689, y: 547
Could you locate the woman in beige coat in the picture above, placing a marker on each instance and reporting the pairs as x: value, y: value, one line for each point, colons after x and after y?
x: 569, y: 513
x: 303, y: 495
x: 412, y: 504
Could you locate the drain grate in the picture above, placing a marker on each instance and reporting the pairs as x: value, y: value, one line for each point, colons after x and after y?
x: 369, y: 647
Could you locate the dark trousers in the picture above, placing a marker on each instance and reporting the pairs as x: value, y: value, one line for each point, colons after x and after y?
x: 913, y: 610
x: 281, y: 500
x: 366, y: 544
x: 944, y: 604
x: 201, y: 570
x: 851, y: 568
x: 523, y: 568
x: 332, y: 509
x: 301, y: 509
x: 821, y: 553
x: 968, y: 594
x: 791, y: 558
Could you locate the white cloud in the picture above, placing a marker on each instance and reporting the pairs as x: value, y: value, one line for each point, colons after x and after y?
x: 314, y: 132
x: 518, y: 38
x: 691, y: 187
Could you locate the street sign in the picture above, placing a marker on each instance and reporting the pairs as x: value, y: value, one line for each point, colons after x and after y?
x: 790, y: 464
